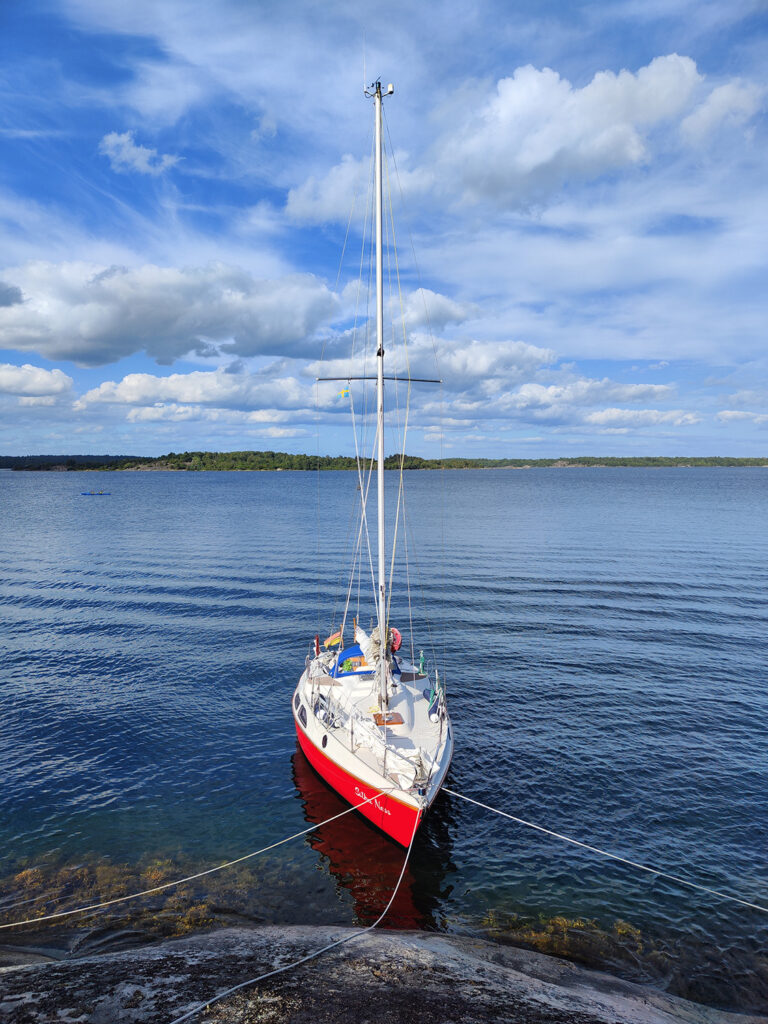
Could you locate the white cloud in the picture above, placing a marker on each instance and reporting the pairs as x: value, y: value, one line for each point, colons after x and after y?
x: 33, y: 382
x: 641, y: 418
x: 568, y: 404
x: 425, y: 308
x: 742, y: 416
x: 124, y: 155
x: 584, y: 392
x: 175, y: 413
x: 733, y: 102
x: 330, y: 197
x: 461, y: 364
x: 164, y: 91
x: 537, y: 131
x: 38, y: 400
x: 523, y: 141
x: 751, y: 396
x: 612, y: 238
x: 216, y: 388
x: 95, y: 315
x: 496, y: 363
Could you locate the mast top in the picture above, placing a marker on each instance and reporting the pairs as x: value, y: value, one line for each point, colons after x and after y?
x: 374, y: 89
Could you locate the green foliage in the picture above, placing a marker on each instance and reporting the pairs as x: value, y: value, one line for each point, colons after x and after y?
x: 250, y: 460
x: 63, y: 462
x: 197, y: 461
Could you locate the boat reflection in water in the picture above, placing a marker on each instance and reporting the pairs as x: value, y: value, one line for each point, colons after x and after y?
x: 366, y: 863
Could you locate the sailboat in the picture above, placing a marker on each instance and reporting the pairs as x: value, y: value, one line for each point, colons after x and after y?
x: 371, y: 721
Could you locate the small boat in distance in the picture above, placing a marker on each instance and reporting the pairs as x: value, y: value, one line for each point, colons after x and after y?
x: 370, y: 720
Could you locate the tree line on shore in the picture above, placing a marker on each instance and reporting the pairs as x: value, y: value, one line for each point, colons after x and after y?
x: 269, y: 460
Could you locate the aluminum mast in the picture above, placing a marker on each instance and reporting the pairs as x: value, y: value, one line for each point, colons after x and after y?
x: 382, y: 587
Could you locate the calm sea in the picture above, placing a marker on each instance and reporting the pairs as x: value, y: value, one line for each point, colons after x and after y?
x: 603, y: 637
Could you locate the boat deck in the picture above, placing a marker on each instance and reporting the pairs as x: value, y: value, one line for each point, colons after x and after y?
x: 403, y: 750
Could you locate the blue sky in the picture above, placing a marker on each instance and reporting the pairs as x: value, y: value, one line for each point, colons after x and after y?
x: 583, y: 184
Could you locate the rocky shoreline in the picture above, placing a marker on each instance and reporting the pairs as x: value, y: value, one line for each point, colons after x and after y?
x: 382, y: 976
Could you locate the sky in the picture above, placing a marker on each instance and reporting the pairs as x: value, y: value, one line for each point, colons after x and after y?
x: 578, y: 196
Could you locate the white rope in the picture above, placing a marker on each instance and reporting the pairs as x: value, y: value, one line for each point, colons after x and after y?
x: 612, y: 856
x: 310, y: 956
x: 189, y: 878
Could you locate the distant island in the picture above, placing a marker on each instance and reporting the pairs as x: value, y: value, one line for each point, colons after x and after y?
x: 250, y: 460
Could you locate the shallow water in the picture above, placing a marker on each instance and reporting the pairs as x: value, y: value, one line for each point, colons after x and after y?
x: 603, y: 636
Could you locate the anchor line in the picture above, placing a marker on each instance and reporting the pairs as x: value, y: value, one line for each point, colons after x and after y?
x: 310, y: 956
x: 611, y: 856
x: 188, y: 878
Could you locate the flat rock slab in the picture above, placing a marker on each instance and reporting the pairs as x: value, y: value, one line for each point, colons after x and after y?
x: 381, y: 976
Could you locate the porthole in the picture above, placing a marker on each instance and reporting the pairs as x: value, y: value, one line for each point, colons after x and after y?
x: 325, y: 742
x: 303, y: 715
x: 296, y: 701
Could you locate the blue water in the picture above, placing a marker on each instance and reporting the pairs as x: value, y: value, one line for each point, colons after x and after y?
x: 603, y: 637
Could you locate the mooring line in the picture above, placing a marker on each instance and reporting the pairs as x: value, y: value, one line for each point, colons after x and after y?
x: 189, y: 878
x: 310, y: 956
x: 612, y: 856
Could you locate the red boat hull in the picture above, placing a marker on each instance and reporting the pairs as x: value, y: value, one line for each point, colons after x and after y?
x: 396, y: 819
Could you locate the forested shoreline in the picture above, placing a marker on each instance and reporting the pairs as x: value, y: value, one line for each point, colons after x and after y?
x: 270, y: 460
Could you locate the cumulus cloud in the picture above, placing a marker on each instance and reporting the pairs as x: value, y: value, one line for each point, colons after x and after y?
x: 584, y: 392
x: 270, y: 406
x: 495, y: 363
x: 569, y: 404
x: 34, y: 383
x: 733, y: 102
x: 641, y: 418
x: 537, y: 130
x: 462, y: 365
x: 125, y: 156
x: 96, y: 315
x: 174, y: 413
x: 330, y: 197
x: 215, y: 388
x: 424, y: 307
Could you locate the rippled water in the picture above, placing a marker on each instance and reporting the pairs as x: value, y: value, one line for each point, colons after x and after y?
x: 603, y: 634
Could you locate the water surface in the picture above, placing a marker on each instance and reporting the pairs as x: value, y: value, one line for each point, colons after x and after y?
x: 603, y: 636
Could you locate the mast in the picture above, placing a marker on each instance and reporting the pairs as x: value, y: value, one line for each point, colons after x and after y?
x: 382, y: 583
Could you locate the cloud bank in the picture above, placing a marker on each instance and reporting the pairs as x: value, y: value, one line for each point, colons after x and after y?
x: 96, y: 315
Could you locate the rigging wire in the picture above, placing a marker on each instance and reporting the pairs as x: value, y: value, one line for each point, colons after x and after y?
x: 401, y: 490
x: 339, y: 586
x: 360, y: 445
x: 310, y: 956
x: 188, y: 878
x: 611, y: 856
x: 367, y: 345
x: 443, y: 589
x: 408, y: 586
x: 317, y: 389
x: 363, y: 526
